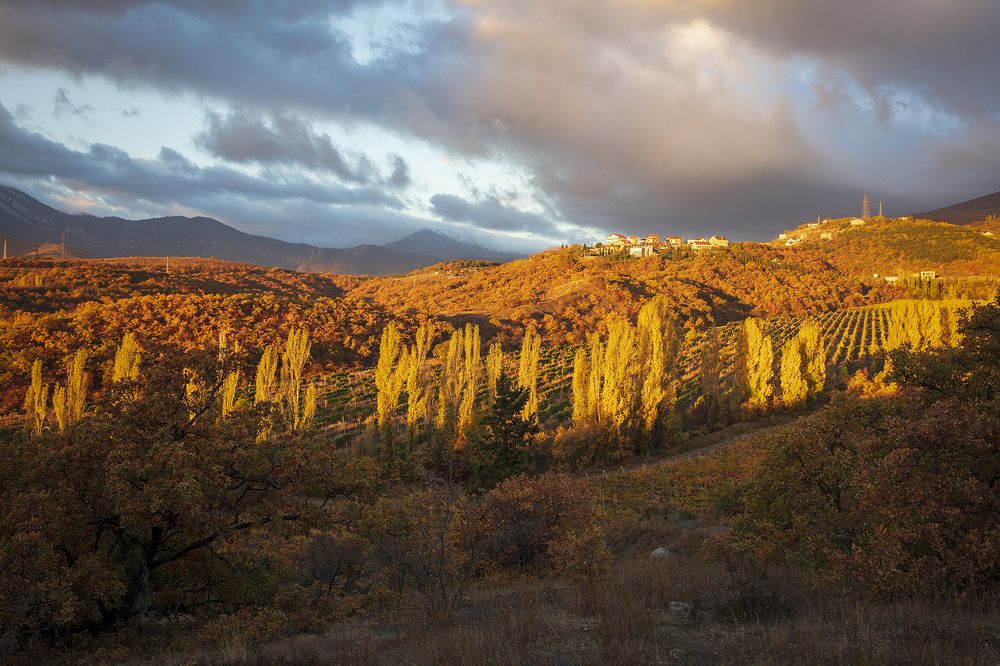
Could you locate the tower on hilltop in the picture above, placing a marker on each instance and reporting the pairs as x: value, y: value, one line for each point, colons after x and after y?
x: 866, y: 212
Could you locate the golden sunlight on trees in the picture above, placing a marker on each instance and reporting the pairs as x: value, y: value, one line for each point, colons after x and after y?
x: 755, y: 359
x: 527, y: 373
x: 127, y: 358
x: 69, y: 401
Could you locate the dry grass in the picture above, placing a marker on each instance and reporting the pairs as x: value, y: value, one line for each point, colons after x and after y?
x: 730, y: 617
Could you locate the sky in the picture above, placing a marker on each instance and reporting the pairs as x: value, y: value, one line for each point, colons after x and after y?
x: 517, y: 124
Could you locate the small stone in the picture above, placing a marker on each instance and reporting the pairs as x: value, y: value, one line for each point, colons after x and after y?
x: 660, y: 553
x: 680, y: 607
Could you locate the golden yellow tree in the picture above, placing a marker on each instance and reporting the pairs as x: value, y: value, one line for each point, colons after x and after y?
x: 450, y: 386
x: 126, y: 363
x: 794, y: 387
x: 620, y: 387
x: 471, y: 371
x: 36, y: 399
x: 416, y: 377
x: 595, y: 382
x: 293, y: 361
x: 810, y: 336
x: 755, y: 366
x: 527, y: 374
x: 390, y: 373
x: 69, y: 401
x: 581, y: 387
x: 265, y: 382
x: 710, y: 377
x: 656, y: 357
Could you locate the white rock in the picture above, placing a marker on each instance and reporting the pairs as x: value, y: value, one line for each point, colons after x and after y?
x: 680, y: 607
x: 660, y: 553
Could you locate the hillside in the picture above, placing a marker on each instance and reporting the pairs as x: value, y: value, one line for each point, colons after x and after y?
x: 30, y: 225
x: 568, y: 292
x: 898, y: 246
x: 966, y: 212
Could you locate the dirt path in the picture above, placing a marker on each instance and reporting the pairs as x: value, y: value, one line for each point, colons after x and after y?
x: 699, y: 451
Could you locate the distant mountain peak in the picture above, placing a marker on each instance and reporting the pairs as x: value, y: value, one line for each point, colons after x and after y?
x: 443, y: 246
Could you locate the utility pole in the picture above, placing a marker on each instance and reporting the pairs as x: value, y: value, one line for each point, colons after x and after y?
x: 5, y: 248
x: 866, y: 212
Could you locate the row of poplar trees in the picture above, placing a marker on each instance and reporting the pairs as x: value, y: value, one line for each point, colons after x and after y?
x: 446, y: 405
x: 626, y: 383
x: 279, y: 381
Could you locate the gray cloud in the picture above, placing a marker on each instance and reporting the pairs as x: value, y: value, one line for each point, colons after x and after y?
x: 282, y: 139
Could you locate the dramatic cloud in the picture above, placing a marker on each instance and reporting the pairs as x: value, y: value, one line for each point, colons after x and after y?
x: 704, y: 115
x: 246, y: 137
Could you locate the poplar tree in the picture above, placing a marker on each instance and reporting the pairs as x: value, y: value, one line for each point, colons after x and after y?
x: 416, y: 378
x: 595, y: 383
x: 794, y: 387
x: 293, y: 360
x: 69, y: 401
x: 126, y: 363
x: 657, y: 355
x: 814, y: 353
x: 267, y: 368
x: 527, y: 375
x: 389, y: 377
x: 755, y: 365
x: 471, y: 371
x: 581, y: 388
x: 619, y: 390
x: 450, y: 385
x: 37, y: 398
x: 228, y: 392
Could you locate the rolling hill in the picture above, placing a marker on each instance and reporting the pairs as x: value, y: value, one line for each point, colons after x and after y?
x: 30, y: 225
x: 966, y: 212
x: 897, y: 246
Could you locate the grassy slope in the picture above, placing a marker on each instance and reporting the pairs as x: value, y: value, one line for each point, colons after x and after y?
x: 893, y: 247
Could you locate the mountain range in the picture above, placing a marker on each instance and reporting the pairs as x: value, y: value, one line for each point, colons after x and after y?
x: 30, y: 226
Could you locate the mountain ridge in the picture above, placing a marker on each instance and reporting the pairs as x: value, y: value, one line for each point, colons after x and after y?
x: 27, y: 224
x: 965, y: 212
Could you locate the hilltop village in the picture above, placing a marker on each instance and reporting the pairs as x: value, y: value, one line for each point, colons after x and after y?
x: 650, y: 245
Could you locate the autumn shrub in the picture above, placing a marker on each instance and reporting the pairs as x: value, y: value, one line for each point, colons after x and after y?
x: 577, y: 447
x: 425, y: 546
x: 541, y: 524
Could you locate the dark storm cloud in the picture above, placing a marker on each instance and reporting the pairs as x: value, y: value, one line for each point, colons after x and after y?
x: 490, y: 213
x: 282, y: 139
x: 171, y: 178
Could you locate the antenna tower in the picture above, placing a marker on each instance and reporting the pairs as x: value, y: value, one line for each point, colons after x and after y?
x: 865, y: 208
